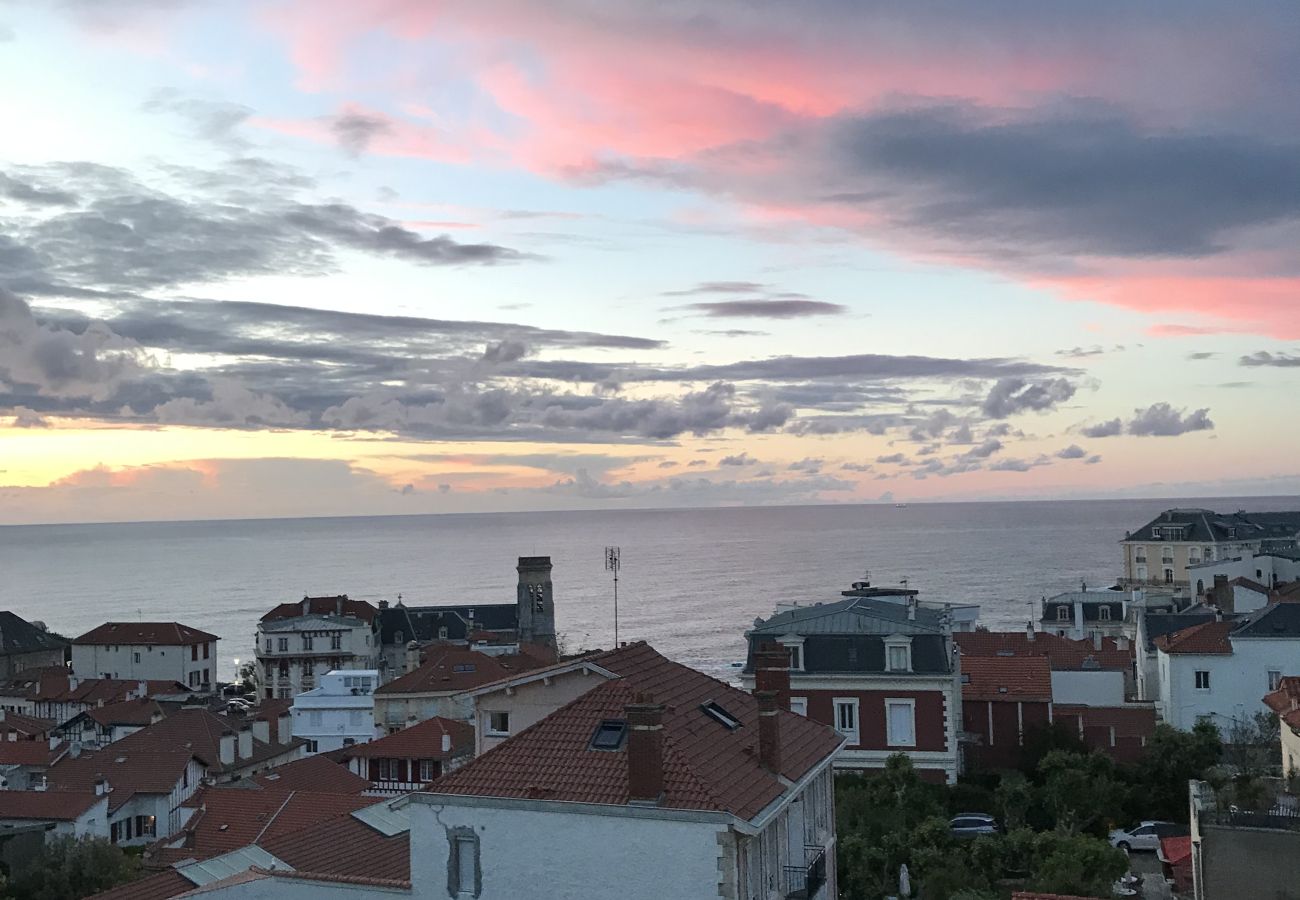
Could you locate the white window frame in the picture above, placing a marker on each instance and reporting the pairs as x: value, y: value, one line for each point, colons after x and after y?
x: 795, y: 647
x: 799, y: 705
x: 1062, y: 613
x: 490, y: 729
x: 855, y: 733
x: 1274, y: 680
x: 426, y: 770
x: 1196, y: 679
x: 891, y: 702
x: 898, y: 643
x: 1103, y: 613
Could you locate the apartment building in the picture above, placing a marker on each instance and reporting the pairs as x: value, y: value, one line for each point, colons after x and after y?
x: 1160, y: 553
x: 147, y: 651
x: 298, y: 643
x: 339, y: 713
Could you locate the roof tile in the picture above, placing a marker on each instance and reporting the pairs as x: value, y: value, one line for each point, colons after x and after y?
x: 166, y: 634
x: 1006, y: 678
x: 1205, y: 639
x: 422, y: 740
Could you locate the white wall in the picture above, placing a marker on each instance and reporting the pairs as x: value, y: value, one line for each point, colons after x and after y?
x: 156, y: 662
x: 397, y: 711
x: 1290, y: 751
x: 1102, y: 687
x: 528, y: 703
x: 528, y: 853
x: 1257, y: 568
x: 1237, y: 682
x: 332, y: 715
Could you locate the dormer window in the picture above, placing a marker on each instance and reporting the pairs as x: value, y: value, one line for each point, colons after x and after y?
x: 1063, y: 614
x: 898, y: 654
x: 1103, y: 613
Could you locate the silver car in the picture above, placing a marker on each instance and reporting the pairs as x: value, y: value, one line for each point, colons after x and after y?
x: 1145, y: 835
x: 973, y: 825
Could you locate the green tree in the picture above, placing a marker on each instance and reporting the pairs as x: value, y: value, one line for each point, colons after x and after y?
x: 1040, y: 740
x: 1076, y: 865
x: 1014, y: 798
x: 70, y: 868
x: 1083, y: 792
x: 1170, y: 760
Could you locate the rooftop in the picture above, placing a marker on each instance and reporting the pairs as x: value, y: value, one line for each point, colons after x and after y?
x: 855, y: 615
x: 1062, y: 654
x: 1275, y: 620
x: 128, y: 771
x: 232, y: 817
x: 1206, y: 639
x: 340, y: 605
x: 1205, y: 525
x: 707, y: 764
x: 1285, y: 701
x: 1006, y: 678
x: 47, y: 806
x: 311, y: 773
x: 449, y: 670
x: 166, y: 634
x: 17, y: 635
x: 422, y: 740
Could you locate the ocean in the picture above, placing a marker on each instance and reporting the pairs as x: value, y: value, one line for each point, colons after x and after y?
x: 692, y: 580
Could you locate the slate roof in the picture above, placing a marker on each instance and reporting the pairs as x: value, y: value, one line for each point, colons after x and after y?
x: 324, y: 606
x: 166, y: 634
x: 1276, y: 620
x: 422, y: 740
x: 998, y: 678
x: 1167, y: 623
x: 1204, y: 525
x: 707, y: 766
x: 423, y: 623
x: 311, y: 773
x: 855, y: 615
x: 48, y: 806
x: 17, y: 635
x: 1062, y: 654
x: 450, y: 669
x: 1206, y: 639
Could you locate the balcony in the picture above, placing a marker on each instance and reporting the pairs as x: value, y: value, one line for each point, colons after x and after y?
x: 1167, y: 560
x: 803, y: 882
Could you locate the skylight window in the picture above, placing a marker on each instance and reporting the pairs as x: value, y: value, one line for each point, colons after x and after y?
x: 463, y: 667
x: 718, y: 714
x: 609, y: 735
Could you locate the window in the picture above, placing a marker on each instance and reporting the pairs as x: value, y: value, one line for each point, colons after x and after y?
x: 336, y: 642
x: 426, y: 770
x: 284, y: 693
x: 207, y: 676
x: 442, y: 632
x: 1209, y: 553
x: 1103, y: 613
x: 315, y: 718
x: 1140, y: 555
x: 1063, y: 614
x: 609, y: 735
x: 1274, y: 680
x: 846, y: 717
x: 306, y: 642
x: 194, y: 652
x: 463, y: 667
x: 1202, y: 680
x: 498, y: 723
x: 268, y: 645
x: 207, y: 651
x: 283, y: 645
x: 796, y: 657
x: 900, y: 723
x: 386, y: 769
x: 799, y: 705
x: 715, y: 711
x: 137, y: 658
x: 1166, y: 555
x: 900, y: 658
x: 464, y: 866
x: 194, y: 679
x: 312, y: 746
x: 1169, y: 576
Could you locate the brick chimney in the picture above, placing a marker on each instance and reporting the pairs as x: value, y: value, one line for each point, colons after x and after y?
x: 645, y: 751
x: 772, y: 673
x: 769, y: 731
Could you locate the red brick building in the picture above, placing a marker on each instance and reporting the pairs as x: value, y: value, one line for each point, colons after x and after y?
x: 882, y: 674
x: 1002, y: 697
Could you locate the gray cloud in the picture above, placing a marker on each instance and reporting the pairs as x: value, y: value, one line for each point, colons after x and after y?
x: 891, y: 458
x: 719, y: 287
x: 355, y: 130
x: 1092, y: 460
x: 1014, y: 465
x: 857, y: 467
x: 739, y: 459
x: 984, y: 450
x: 504, y: 351
x: 1109, y: 428
x: 211, y: 120
x: 1074, y: 451
x: 1277, y: 360
x: 808, y: 464
x: 1162, y: 420
x: 24, y: 191
x: 1010, y: 396
x: 765, y: 309
x: 1202, y: 354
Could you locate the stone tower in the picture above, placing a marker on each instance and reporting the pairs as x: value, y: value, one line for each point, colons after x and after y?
x: 536, y: 601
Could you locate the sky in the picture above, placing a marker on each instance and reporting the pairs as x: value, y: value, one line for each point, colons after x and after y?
x: 343, y: 257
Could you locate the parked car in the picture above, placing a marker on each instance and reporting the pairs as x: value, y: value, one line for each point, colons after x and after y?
x: 973, y: 825
x: 237, y: 706
x: 1145, y: 835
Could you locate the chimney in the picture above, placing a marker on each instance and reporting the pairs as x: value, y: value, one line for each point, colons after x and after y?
x: 227, y: 747
x: 306, y: 604
x: 284, y: 728
x: 1096, y: 640
x: 262, y: 731
x: 54, y: 742
x: 1121, y: 642
x: 383, y: 604
x: 446, y: 742
x: 101, y: 786
x: 412, y: 656
x: 73, y: 681
x: 1078, y: 619
x: 769, y: 731
x: 246, y: 741
x: 911, y: 609
x: 645, y: 751
x: 338, y: 604
x: 141, y: 689
x: 1218, y: 614
x: 772, y: 673
x: 1029, y: 630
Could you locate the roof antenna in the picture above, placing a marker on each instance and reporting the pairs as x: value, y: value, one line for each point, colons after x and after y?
x: 614, y: 562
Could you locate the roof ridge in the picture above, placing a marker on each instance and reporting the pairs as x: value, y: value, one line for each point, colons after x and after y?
x: 275, y: 815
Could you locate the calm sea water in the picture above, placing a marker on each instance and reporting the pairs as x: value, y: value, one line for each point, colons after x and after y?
x: 692, y: 580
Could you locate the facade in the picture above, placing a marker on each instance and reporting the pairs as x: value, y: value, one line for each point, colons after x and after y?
x: 58, y: 695
x: 103, y: 725
x: 60, y: 813
x: 1160, y: 553
x: 438, y: 686
x: 1002, y: 699
x: 298, y: 643
x: 338, y: 713
x: 414, y: 757
x: 883, y: 674
x: 147, y: 651
x: 28, y: 645
x: 1267, y: 568
x: 1085, y: 614
x: 1285, y: 703
x: 1218, y: 670
x: 1244, y: 852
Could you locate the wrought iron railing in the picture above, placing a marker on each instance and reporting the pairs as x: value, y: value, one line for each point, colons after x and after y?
x: 803, y: 882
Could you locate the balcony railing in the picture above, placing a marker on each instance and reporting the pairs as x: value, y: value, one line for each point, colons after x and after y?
x: 1167, y: 560
x: 803, y: 882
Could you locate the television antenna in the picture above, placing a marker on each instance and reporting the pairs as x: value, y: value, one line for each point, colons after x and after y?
x: 613, y: 562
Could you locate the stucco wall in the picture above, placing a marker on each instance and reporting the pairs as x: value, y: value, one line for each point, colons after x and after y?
x: 1237, y: 682
x: 157, y: 662
x: 528, y: 704
x: 1099, y: 688
x: 1290, y: 751
x: 525, y: 853
x: 1250, y: 862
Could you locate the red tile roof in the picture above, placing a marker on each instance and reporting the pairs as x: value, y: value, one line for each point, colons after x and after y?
x: 127, y: 712
x: 324, y: 606
x: 1006, y: 678
x: 232, y: 817
x: 129, y: 772
x: 450, y: 670
x: 1285, y: 701
x: 166, y: 634
x: 50, y: 806
x: 1206, y: 639
x: 163, y: 886
x: 199, y: 731
x: 345, y: 847
x: 313, y: 773
x: 56, y: 687
x: 20, y: 723
x: 30, y: 753
x: 1063, y: 654
x: 422, y: 740
x: 706, y: 765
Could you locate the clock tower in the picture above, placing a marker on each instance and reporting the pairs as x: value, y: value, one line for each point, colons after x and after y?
x: 536, y: 601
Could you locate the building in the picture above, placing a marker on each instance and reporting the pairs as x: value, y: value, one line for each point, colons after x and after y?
x: 102, y: 725
x: 338, y: 713
x: 410, y: 759
x: 1002, y: 699
x: 1160, y: 553
x: 147, y: 651
x: 1285, y: 703
x: 58, y: 695
x: 28, y: 645
x: 24, y: 764
x: 1152, y: 625
x: 1218, y: 670
x: 529, y: 620
x: 438, y: 686
x: 964, y: 616
x: 1085, y: 614
x: 883, y: 674
x: 1244, y: 849
x: 60, y: 813
x: 19, y: 727
x: 297, y: 643
x: 1268, y: 568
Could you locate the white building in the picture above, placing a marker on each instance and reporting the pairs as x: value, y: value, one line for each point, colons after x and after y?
x: 1285, y: 702
x: 61, y: 813
x: 1267, y: 568
x: 338, y: 713
x: 1219, y: 670
x: 147, y: 651
x: 298, y: 643
x: 1164, y: 552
